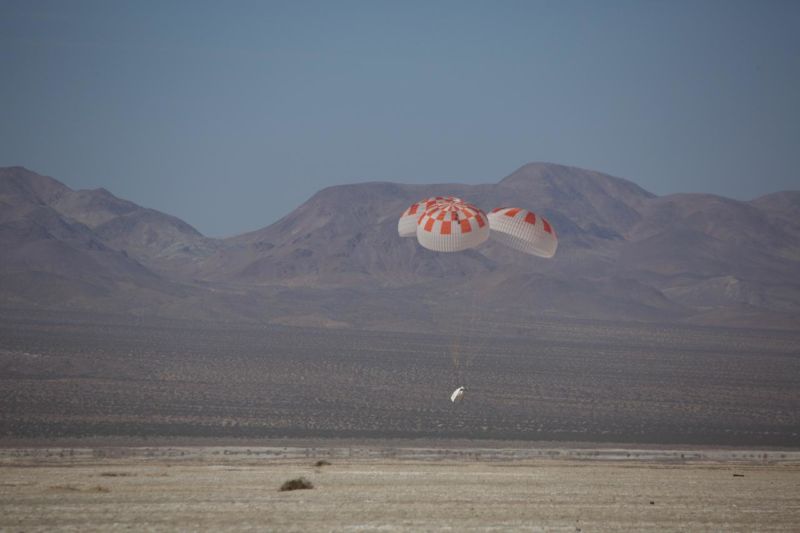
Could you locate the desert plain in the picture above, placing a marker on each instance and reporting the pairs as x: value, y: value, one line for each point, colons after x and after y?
x: 398, y: 489
x: 110, y: 425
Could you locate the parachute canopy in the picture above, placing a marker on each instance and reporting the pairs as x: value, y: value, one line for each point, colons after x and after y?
x: 449, y: 224
x: 452, y: 226
x: 407, y: 225
x: 523, y: 230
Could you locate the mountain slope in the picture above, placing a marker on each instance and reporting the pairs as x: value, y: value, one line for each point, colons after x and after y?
x: 52, y: 260
x: 59, y: 253
x: 624, y: 254
x: 165, y: 244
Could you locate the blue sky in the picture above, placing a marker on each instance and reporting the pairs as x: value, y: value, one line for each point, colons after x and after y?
x: 230, y: 114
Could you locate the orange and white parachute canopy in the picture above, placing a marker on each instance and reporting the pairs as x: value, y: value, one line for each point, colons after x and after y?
x: 523, y: 230
x: 452, y: 226
x: 407, y: 225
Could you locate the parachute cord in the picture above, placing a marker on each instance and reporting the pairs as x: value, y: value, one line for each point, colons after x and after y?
x: 457, y: 346
x: 474, y: 315
x: 478, y: 348
x: 463, y: 334
x: 450, y: 334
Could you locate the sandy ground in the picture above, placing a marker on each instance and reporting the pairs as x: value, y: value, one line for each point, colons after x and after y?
x: 397, y: 490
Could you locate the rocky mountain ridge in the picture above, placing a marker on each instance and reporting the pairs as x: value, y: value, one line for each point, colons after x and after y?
x: 624, y: 254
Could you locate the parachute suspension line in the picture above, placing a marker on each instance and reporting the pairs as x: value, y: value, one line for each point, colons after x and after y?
x: 456, y: 333
x: 455, y: 354
x: 480, y: 338
x: 471, y: 323
x: 477, y: 346
x: 454, y: 323
x: 449, y: 333
x: 463, y: 334
x: 473, y: 312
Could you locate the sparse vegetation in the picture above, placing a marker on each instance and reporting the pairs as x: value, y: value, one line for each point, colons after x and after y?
x: 322, y: 462
x: 412, y: 493
x: 299, y: 483
x: 76, y: 488
x: 575, y: 381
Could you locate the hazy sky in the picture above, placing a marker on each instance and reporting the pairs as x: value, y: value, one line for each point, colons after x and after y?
x: 230, y: 114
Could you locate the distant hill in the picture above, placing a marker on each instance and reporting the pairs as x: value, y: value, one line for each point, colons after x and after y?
x: 336, y: 260
x: 57, y: 252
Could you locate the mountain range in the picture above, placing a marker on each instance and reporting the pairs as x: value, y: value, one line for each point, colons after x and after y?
x: 624, y: 254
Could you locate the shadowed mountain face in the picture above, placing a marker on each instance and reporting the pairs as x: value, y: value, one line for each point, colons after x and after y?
x: 164, y: 243
x: 624, y: 254
x: 50, y: 259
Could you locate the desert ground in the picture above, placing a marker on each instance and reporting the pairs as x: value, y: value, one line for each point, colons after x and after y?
x: 398, y: 489
x: 111, y: 424
x: 553, y: 380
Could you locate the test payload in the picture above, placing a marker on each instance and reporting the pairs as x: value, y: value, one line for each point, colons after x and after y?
x: 457, y: 395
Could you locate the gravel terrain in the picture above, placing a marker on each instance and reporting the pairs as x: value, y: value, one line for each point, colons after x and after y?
x: 230, y: 489
x: 563, y: 381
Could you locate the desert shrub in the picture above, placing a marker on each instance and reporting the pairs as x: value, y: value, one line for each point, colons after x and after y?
x: 64, y: 487
x: 322, y: 462
x: 75, y: 488
x: 297, y: 484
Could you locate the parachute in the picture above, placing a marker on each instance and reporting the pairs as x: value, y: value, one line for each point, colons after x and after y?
x: 449, y: 224
x: 523, y: 230
x: 407, y: 225
x: 452, y: 226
